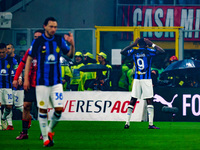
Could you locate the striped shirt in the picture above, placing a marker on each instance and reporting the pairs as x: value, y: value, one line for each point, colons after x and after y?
x: 32, y: 72
x: 47, y: 52
x: 17, y: 58
x: 143, y: 59
x: 7, y: 66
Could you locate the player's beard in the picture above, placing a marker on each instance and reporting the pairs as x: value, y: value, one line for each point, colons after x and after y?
x: 50, y: 34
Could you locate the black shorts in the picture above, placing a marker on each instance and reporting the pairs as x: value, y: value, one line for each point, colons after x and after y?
x: 30, y: 95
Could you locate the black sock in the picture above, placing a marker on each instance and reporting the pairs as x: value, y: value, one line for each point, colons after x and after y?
x: 25, y: 126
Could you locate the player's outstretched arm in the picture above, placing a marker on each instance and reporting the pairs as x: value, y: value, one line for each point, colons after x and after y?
x: 70, y: 38
x: 124, y: 51
x: 151, y: 44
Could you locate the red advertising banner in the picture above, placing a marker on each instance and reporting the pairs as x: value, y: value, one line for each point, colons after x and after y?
x: 161, y: 16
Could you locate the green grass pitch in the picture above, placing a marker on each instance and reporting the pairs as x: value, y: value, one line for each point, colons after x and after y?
x: 108, y: 135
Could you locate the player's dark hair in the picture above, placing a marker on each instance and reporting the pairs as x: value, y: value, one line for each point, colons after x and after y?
x: 40, y: 31
x: 49, y: 19
x: 2, y: 45
x: 10, y: 44
x: 141, y: 42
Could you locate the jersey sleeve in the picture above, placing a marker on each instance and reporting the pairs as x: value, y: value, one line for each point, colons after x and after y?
x: 25, y: 56
x: 33, y: 49
x: 64, y: 46
x: 21, y: 66
x: 130, y: 52
x: 17, y: 58
x: 15, y: 64
x: 152, y: 52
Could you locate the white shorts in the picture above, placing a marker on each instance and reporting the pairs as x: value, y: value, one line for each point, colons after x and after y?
x: 46, y: 94
x: 6, y: 97
x: 142, y: 89
x: 18, y: 97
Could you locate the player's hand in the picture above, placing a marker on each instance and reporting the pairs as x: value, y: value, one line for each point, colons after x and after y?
x: 134, y: 44
x: 26, y: 85
x: 154, y: 72
x: 20, y: 82
x: 63, y: 81
x: 69, y: 38
x: 15, y: 83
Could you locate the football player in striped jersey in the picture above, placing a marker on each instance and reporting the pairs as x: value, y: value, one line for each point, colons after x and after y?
x: 142, y: 85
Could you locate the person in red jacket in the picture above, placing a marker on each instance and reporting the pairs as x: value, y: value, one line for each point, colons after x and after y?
x: 29, y: 96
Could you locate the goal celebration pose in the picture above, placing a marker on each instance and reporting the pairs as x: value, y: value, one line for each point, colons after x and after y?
x: 142, y: 85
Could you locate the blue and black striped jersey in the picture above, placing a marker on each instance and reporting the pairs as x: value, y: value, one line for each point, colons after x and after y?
x: 47, y: 52
x: 142, y: 58
x: 7, y: 66
x: 17, y: 58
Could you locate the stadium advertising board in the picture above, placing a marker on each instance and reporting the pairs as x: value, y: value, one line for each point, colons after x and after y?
x: 112, y: 106
x: 161, y: 16
x: 99, y: 106
x: 187, y: 100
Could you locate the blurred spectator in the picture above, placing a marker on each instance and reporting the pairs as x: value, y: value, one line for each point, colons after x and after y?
x: 123, y: 81
x: 192, y: 82
x: 170, y: 80
x: 173, y: 59
x: 21, y: 53
x: 130, y: 75
x: 103, y: 81
x: 181, y: 80
x: 154, y: 76
x: 156, y: 70
x: 88, y: 78
x: 75, y: 80
x: 66, y: 72
x: 104, y: 78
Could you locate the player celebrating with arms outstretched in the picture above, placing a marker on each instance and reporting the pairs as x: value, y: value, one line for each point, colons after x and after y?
x: 142, y: 85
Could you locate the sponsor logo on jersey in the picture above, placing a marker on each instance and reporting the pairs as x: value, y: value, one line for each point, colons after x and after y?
x: 12, y: 73
x: 140, y: 73
x: 4, y: 72
x: 58, y: 49
x: 51, y: 59
x: 8, y: 66
x: 44, y: 49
